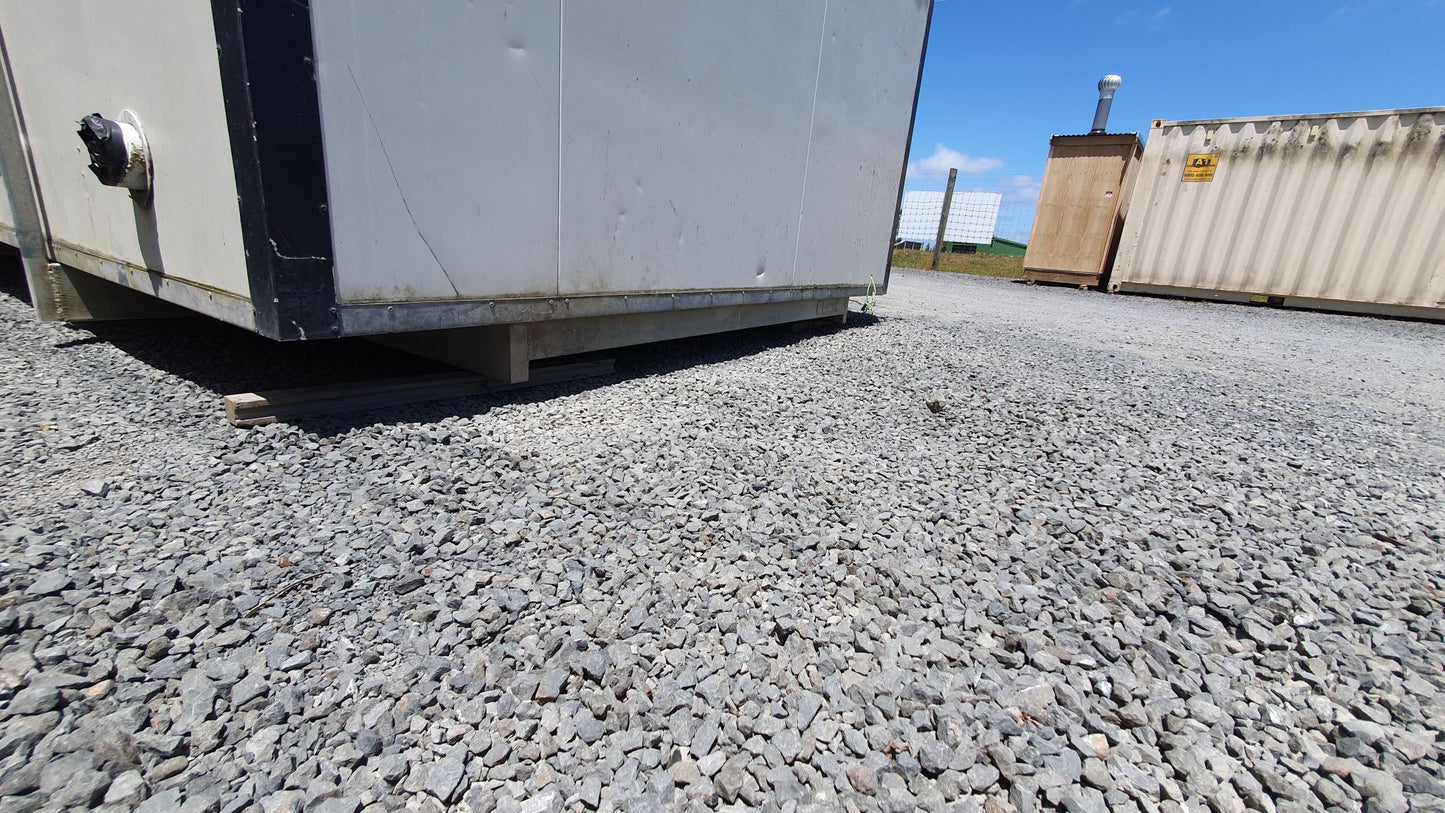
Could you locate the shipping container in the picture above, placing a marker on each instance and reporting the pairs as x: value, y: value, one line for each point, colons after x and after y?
x: 534, y: 179
x: 1082, y: 203
x: 1341, y: 211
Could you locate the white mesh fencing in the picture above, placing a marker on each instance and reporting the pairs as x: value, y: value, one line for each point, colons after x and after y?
x: 1011, y: 202
x: 972, y: 216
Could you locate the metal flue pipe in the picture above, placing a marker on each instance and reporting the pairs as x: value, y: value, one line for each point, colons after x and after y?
x: 1107, y: 86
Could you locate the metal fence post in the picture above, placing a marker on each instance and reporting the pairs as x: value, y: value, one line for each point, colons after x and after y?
x: 943, y: 216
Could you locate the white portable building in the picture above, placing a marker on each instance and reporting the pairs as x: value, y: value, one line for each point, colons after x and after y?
x: 544, y: 177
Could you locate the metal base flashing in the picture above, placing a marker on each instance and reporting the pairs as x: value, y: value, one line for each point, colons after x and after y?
x: 404, y: 317
x: 1297, y: 302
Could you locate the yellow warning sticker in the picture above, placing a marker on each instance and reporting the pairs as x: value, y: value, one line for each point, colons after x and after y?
x: 1200, y: 167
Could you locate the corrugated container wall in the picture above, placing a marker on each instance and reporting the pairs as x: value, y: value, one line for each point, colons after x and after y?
x: 1342, y: 211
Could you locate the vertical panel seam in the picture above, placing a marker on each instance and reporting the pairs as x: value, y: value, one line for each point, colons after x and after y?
x: 561, y: 29
x: 808, y: 153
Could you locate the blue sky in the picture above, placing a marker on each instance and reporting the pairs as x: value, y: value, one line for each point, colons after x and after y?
x: 1001, y: 77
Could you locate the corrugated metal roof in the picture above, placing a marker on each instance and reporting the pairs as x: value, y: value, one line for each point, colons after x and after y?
x: 1359, y: 114
x: 1094, y: 135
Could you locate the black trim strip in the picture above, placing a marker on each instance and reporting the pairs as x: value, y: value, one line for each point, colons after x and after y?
x: 907, y: 148
x: 268, y: 82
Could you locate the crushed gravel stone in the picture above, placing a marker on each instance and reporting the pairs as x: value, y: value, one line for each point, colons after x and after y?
x: 1002, y: 548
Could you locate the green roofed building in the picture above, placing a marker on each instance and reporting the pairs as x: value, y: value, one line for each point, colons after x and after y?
x: 1004, y: 248
x: 998, y: 248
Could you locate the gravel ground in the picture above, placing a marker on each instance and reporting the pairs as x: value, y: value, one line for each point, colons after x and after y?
x: 1005, y: 548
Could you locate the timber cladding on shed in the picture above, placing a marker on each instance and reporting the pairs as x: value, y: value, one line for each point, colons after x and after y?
x: 1340, y: 211
x: 1082, y: 204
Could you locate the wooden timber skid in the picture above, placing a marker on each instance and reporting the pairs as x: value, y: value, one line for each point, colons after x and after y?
x: 504, y: 358
x: 257, y: 408
x: 490, y: 358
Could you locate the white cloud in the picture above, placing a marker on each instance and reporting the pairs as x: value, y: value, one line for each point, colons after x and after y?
x: 1018, y: 191
x: 944, y: 158
x: 1022, y: 189
x: 1152, y: 20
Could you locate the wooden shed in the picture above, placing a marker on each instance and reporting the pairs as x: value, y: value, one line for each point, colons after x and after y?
x: 1087, y: 184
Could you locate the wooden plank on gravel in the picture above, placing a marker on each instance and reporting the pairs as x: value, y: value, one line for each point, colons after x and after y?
x: 1062, y: 277
x: 256, y: 408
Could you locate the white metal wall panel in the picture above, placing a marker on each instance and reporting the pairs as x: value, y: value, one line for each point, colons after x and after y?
x: 1344, y: 207
x: 684, y: 143
x: 440, y: 124
x: 157, y: 58
x: 972, y: 216
x: 686, y: 136
x: 868, y: 69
